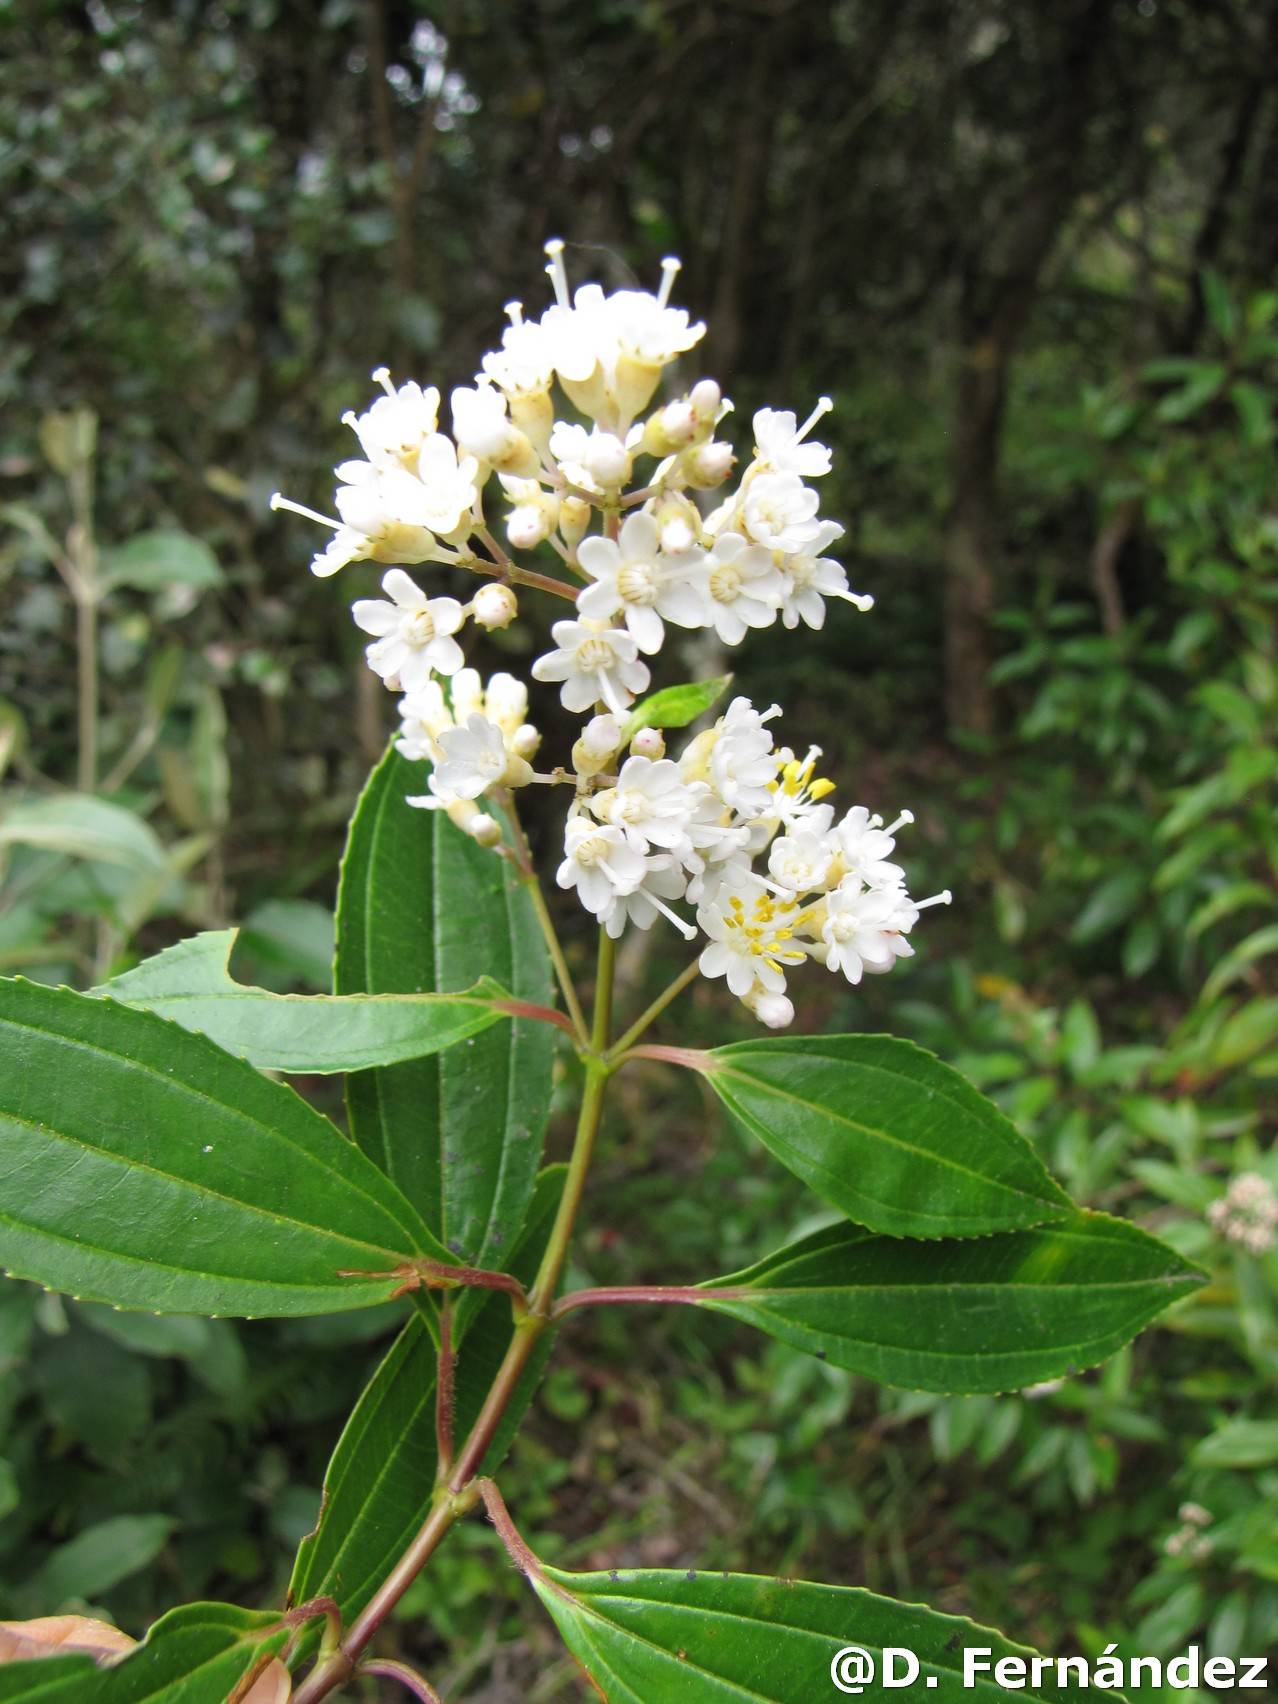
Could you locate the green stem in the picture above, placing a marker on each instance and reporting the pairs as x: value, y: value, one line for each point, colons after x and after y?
x: 460, y: 1494
x: 654, y: 1011
x: 550, y: 934
x: 86, y: 640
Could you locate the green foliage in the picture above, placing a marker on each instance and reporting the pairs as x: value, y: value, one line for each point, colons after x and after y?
x: 646, y: 1638
x: 884, y: 1132
x: 675, y: 706
x: 422, y: 907
x: 145, y: 1167
x: 997, y: 1313
x: 191, y: 985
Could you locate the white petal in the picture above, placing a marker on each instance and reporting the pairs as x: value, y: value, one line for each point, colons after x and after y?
x: 374, y: 616
x: 403, y: 588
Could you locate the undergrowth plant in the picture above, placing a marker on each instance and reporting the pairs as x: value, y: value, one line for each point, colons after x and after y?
x: 152, y: 1160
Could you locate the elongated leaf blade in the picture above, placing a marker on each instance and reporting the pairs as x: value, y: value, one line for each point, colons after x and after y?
x: 986, y: 1314
x: 192, y: 1655
x: 422, y: 909
x: 143, y: 1166
x: 887, y: 1134
x: 675, y: 706
x: 659, y: 1637
x: 382, y: 1474
x: 191, y: 983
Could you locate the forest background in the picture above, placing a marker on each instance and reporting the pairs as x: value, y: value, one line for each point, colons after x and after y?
x: 1030, y: 251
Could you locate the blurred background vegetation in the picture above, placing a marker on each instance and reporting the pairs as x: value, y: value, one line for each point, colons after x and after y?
x: 1030, y: 251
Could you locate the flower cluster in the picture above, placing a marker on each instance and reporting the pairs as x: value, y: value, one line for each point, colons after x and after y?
x: 735, y: 829
x: 1247, y: 1214
x: 1189, y: 1540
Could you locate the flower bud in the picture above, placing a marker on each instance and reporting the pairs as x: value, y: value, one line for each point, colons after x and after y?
x: 648, y: 742
x: 598, y: 744
x: 607, y: 460
x: 671, y: 428
x: 517, y: 773
x: 526, y: 741
x: 471, y: 820
x: 704, y: 400
x: 679, y: 522
x: 574, y: 518
x: 494, y: 607
x: 707, y: 466
x: 774, y: 1011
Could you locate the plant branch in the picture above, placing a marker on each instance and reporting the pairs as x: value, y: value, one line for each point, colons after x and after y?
x: 444, y: 1390
x: 688, y: 1294
x: 411, y: 1682
x: 459, y: 1494
x: 655, y: 1010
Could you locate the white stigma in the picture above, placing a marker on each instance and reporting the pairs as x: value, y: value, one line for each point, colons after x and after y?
x: 381, y: 376
x: 670, y: 266
x: 824, y: 405
x: 945, y: 898
x: 514, y: 312
x: 557, y: 272
x: 901, y: 821
x: 280, y: 502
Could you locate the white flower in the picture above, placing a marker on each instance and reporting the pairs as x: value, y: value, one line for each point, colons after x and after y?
x: 600, y: 863
x: 808, y: 578
x: 634, y: 579
x: 779, y: 511
x: 382, y: 519
x: 780, y: 446
x: 424, y: 715
x: 865, y: 846
x: 524, y: 365
x: 743, y: 763
x: 594, y: 461
x: 800, y: 860
x: 449, y: 485
x: 644, y: 904
x: 752, y: 937
x: 483, y: 431
x: 865, y: 928
x: 474, y: 759
x: 799, y: 790
x: 412, y: 633
x: 744, y: 588
x: 651, y: 803
x: 596, y: 665
x: 392, y: 431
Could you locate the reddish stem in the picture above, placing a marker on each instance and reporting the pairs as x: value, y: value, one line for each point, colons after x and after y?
x: 693, y: 1058
x: 691, y: 1295
x: 406, y: 1677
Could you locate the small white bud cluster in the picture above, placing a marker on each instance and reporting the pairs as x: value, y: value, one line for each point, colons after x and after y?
x: 1247, y: 1214
x: 1189, y: 1540
x: 618, y: 499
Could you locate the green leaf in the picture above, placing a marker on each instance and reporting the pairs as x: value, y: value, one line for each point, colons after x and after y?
x: 1206, y: 382
x: 666, y: 1637
x: 192, y: 984
x: 986, y: 1315
x: 1112, y: 903
x: 886, y: 1133
x: 1239, y: 960
x: 675, y: 706
x: 83, y: 827
x: 100, y: 1557
x: 192, y: 1655
x: 1239, y: 1443
x: 143, y: 1166
x: 294, y: 938
x: 153, y: 561
x: 382, y: 1474
x: 422, y: 908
